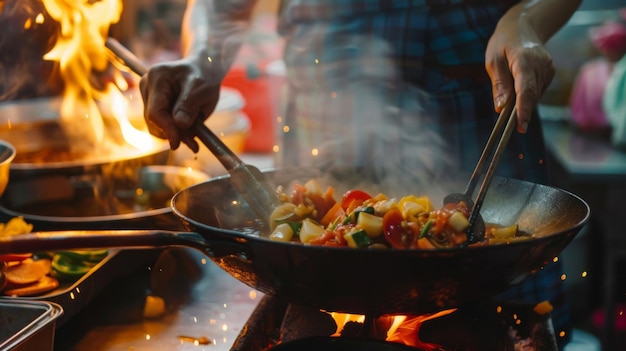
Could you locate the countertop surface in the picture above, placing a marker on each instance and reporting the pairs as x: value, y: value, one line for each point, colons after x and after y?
x: 585, y: 156
x: 205, y: 309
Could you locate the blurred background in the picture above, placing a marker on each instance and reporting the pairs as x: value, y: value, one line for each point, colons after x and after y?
x: 583, y: 159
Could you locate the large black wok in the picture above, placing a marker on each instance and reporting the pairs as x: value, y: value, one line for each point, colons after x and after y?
x: 373, y: 282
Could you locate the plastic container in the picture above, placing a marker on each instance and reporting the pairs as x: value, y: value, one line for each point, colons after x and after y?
x: 28, y: 325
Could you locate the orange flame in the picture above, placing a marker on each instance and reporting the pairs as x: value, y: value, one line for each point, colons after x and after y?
x: 402, y: 329
x: 80, y: 51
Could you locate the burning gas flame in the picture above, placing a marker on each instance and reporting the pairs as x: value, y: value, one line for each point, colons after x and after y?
x: 403, y: 329
x: 80, y: 51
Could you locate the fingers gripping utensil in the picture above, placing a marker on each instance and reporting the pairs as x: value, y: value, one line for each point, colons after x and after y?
x: 247, y: 179
x: 504, y: 127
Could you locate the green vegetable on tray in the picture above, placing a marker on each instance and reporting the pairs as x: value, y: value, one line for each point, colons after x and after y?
x: 71, y: 265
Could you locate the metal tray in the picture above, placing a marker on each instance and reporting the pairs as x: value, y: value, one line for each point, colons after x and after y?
x: 74, y: 296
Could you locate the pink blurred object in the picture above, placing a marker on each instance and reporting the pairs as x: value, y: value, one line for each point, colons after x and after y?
x: 598, y: 318
x: 609, y: 37
x: 587, y: 94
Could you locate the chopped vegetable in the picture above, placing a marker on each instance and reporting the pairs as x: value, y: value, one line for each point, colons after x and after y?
x: 426, y: 228
x: 43, y: 285
x: 458, y: 222
x: 371, y: 224
x: 66, y: 268
x: 504, y: 232
x: 93, y: 256
x: 357, y: 238
x: 310, y: 230
x: 313, y: 217
x: 15, y: 257
x: 282, y: 232
x: 154, y: 307
x: 27, y: 272
x: 15, y: 226
x: 353, y: 198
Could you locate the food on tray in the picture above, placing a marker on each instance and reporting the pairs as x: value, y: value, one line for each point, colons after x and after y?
x: 34, y: 274
x: 314, y: 217
x: 71, y: 265
x: 15, y: 226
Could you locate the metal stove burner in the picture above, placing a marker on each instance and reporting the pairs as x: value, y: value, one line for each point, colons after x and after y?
x: 491, y: 325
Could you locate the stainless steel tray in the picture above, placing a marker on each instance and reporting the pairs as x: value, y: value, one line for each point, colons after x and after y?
x: 74, y: 296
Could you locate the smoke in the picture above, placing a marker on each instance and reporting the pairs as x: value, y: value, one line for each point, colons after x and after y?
x: 351, y: 108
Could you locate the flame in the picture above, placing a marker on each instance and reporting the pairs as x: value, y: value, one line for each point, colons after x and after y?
x: 402, y: 329
x: 80, y: 51
x: 341, y: 319
x: 133, y: 136
x: 405, y: 330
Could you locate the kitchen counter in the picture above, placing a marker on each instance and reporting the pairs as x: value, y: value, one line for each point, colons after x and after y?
x: 203, y: 303
x: 206, y: 309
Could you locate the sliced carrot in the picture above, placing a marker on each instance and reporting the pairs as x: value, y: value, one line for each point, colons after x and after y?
x: 41, y: 286
x: 332, y: 213
x: 27, y: 272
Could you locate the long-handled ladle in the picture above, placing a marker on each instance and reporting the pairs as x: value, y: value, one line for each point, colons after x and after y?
x: 507, y: 121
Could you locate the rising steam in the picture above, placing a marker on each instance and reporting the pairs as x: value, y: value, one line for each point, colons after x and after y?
x: 359, y: 112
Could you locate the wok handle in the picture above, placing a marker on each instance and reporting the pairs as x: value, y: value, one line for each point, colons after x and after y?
x: 130, y: 239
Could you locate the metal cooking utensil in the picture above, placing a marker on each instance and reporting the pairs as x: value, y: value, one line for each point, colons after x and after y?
x: 248, y: 180
x: 476, y: 229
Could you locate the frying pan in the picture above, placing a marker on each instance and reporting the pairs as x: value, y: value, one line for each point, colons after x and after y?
x: 362, y: 281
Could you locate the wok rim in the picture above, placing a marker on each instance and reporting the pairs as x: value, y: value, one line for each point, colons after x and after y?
x: 129, y: 216
x: 161, y: 147
x: 88, y: 219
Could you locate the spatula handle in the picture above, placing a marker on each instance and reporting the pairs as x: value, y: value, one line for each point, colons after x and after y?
x: 226, y: 156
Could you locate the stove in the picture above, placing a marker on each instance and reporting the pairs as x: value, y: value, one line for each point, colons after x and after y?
x: 489, y: 325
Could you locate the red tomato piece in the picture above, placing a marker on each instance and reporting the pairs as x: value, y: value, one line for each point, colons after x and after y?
x: 353, y: 198
x: 398, y: 235
x: 322, y: 205
x: 15, y: 257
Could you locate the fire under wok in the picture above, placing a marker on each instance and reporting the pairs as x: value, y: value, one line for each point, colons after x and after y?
x: 363, y: 281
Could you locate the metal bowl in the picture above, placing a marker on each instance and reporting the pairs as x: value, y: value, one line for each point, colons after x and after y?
x: 7, y: 154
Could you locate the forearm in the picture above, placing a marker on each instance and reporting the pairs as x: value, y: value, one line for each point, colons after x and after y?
x: 213, y: 30
x: 545, y: 17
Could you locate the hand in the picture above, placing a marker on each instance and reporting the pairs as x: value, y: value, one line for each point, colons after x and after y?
x: 519, y: 65
x: 177, y: 95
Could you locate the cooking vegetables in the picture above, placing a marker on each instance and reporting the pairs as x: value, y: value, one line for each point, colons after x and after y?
x: 312, y: 216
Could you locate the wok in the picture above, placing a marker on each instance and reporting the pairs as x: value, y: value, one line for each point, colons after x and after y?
x: 371, y: 282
